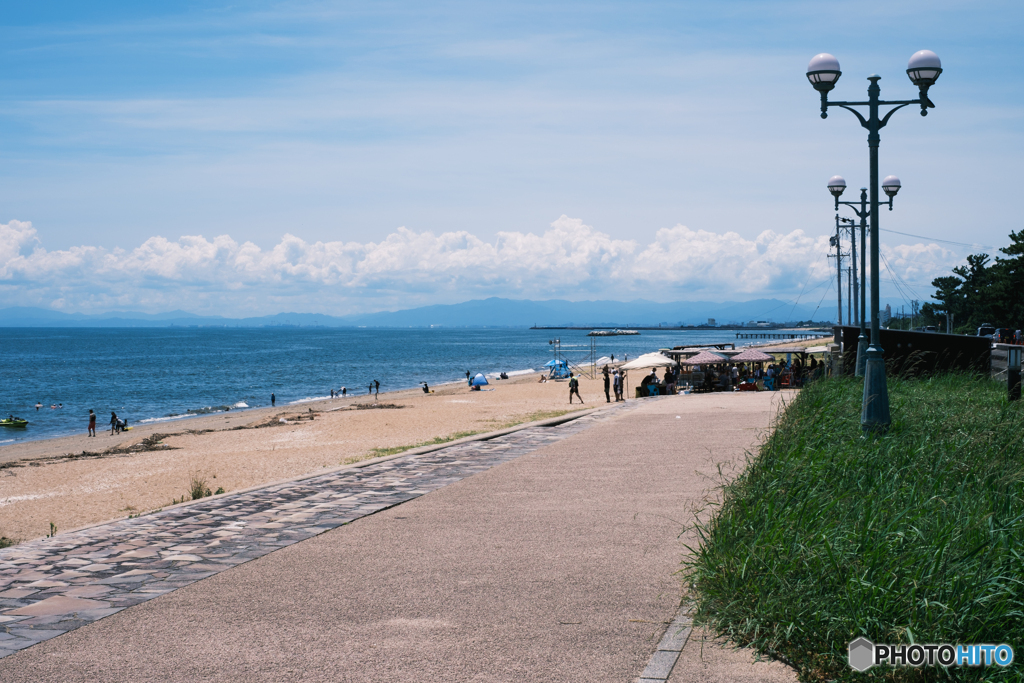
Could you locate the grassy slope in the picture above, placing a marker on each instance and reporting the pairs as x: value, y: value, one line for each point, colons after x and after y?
x: 917, y: 536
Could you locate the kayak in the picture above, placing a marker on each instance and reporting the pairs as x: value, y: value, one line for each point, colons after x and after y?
x: 13, y: 422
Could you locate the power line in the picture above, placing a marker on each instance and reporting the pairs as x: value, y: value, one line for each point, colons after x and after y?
x: 935, y: 239
x: 833, y: 279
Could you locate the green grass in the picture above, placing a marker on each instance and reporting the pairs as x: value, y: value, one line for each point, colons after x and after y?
x: 537, y: 415
x: 915, y: 536
x: 380, y: 452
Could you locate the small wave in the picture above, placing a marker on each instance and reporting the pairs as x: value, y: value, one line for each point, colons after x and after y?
x: 163, y: 419
x: 206, y: 411
x: 310, y: 399
x: 528, y: 371
x: 6, y: 440
x: 241, y: 404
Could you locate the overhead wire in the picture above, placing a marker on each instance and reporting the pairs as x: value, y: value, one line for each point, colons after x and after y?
x: 831, y: 280
x: 893, y: 273
x: 935, y: 239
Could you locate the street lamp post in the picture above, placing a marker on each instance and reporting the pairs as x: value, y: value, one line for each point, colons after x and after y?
x: 823, y: 72
x: 837, y: 185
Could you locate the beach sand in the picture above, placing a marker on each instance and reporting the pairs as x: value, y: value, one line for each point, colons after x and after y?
x: 51, y: 481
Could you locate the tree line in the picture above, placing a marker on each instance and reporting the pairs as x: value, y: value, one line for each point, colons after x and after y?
x: 983, y: 292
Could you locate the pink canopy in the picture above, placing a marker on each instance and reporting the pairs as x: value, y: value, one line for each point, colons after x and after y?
x: 752, y: 356
x: 704, y: 358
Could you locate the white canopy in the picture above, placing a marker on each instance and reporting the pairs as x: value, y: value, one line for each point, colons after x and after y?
x: 649, y: 360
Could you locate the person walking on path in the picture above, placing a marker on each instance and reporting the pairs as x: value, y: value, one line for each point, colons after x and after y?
x: 273, y: 400
x: 113, y: 422
x: 607, y: 385
x: 574, y: 388
x: 92, y: 423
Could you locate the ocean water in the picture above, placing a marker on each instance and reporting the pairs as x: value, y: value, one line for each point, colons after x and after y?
x: 149, y: 375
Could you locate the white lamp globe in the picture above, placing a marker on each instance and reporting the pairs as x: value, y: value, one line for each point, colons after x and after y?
x: 836, y: 185
x: 823, y: 72
x: 891, y: 185
x: 924, y: 68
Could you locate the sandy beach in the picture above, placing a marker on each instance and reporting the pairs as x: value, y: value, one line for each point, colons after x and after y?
x: 77, y: 481
x: 148, y: 467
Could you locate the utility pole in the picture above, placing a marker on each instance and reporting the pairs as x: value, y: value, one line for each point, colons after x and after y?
x: 855, y: 318
x: 849, y: 295
x: 834, y: 241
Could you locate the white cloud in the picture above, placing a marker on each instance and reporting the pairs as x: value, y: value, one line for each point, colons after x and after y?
x: 570, y: 259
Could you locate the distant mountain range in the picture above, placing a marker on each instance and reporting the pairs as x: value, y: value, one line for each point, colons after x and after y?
x: 493, y: 312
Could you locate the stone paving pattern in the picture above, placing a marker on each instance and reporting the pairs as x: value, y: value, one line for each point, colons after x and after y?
x: 54, y: 585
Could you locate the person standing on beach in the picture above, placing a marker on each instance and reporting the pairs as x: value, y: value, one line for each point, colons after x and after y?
x: 273, y: 400
x: 113, y: 422
x: 92, y: 423
x: 332, y: 393
x: 344, y: 391
x: 376, y: 388
x: 617, y: 385
x: 574, y: 388
x: 607, y: 385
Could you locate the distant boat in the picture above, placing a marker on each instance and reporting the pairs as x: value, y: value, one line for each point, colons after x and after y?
x: 611, y: 333
x: 13, y: 422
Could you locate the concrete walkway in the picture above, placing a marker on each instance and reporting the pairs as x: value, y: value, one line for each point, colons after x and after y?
x: 557, y: 565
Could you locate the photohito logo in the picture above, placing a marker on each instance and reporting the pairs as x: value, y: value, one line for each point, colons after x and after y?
x: 863, y: 654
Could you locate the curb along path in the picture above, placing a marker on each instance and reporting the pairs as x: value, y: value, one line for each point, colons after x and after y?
x: 54, y: 585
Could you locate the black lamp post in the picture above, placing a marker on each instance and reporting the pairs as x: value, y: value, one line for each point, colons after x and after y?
x: 823, y: 72
x: 836, y: 185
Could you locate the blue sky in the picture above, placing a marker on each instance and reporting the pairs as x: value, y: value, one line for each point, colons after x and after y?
x: 335, y: 157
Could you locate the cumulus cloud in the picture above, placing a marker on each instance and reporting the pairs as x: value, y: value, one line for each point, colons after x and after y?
x: 569, y: 259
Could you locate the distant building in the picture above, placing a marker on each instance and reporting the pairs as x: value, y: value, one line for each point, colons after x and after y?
x: 711, y: 322
x: 886, y: 315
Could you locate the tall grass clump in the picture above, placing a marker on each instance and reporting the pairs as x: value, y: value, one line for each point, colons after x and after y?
x: 916, y: 536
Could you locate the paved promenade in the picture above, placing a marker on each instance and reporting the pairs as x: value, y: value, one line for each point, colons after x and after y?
x: 545, y: 554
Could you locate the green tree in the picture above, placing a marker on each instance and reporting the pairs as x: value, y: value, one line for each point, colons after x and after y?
x: 976, y: 287
x: 950, y: 300
x: 1008, y: 284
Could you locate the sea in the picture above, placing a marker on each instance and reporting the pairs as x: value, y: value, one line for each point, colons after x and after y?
x: 152, y: 375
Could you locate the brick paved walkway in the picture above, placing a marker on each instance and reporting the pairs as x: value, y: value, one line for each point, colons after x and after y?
x: 54, y: 585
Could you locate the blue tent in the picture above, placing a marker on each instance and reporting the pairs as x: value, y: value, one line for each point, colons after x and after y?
x: 559, y: 368
x: 479, y: 380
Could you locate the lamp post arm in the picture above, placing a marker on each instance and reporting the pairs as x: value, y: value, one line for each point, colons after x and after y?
x: 892, y: 111
x: 847, y: 106
x: 854, y: 205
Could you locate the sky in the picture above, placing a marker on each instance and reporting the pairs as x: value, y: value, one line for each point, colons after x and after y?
x: 341, y: 157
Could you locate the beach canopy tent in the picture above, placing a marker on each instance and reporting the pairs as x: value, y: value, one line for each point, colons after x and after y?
x: 603, y: 360
x: 649, y: 360
x: 817, y: 349
x: 704, y: 358
x: 558, y: 368
x: 479, y: 380
x: 752, y: 356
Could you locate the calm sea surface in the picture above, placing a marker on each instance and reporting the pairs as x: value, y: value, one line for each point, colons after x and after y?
x: 152, y: 375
